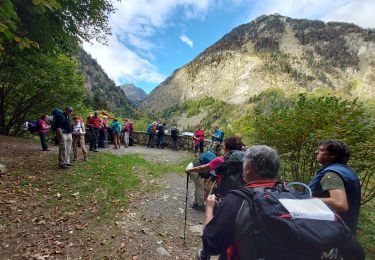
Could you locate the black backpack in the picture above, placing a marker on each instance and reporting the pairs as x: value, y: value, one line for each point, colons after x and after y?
x: 264, y: 229
x: 231, y: 173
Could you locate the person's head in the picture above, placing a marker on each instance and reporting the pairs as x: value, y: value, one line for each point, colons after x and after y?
x: 105, y: 117
x: 216, y: 127
x: 154, y: 123
x: 115, y: 120
x: 199, y: 127
x: 238, y: 137
x: 332, y: 151
x: 126, y: 120
x: 231, y: 144
x: 76, y: 119
x: 68, y: 110
x: 260, y: 162
x: 96, y: 113
x: 44, y: 117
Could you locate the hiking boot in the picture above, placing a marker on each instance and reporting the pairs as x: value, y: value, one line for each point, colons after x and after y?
x: 85, y: 158
x: 69, y: 164
x: 75, y: 158
x: 96, y: 150
x: 45, y: 150
x: 63, y: 166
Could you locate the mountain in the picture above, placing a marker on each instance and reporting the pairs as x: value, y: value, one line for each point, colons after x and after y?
x: 135, y: 95
x: 274, y: 51
x: 102, y: 92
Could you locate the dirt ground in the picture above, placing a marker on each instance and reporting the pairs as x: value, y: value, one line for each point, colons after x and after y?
x: 151, y: 227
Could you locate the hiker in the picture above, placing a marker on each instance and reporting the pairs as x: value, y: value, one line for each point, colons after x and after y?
x: 63, y: 127
x: 175, y: 136
x: 336, y: 183
x: 239, y: 140
x: 103, y: 132
x: 237, y: 229
x: 126, y: 131
x: 43, y: 128
x: 151, y: 131
x: 132, y: 139
x: 94, y: 124
x: 216, y: 140
x: 116, y: 131
x: 78, y: 135
x: 199, y: 174
x: 161, y: 135
x: 198, y: 140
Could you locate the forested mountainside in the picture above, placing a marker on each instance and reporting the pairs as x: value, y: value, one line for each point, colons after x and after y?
x: 274, y: 51
x: 134, y: 94
x: 102, y: 92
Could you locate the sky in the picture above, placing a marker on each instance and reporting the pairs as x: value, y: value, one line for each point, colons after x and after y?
x: 152, y: 38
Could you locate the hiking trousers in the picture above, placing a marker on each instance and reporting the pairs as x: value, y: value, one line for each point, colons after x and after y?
x: 126, y: 139
x: 79, y: 139
x: 215, y: 148
x: 64, y: 149
x: 43, y: 141
x: 94, y: 138
x: 199, y: 186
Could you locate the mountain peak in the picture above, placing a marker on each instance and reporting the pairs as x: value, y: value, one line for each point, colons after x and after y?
x: 135, y: 94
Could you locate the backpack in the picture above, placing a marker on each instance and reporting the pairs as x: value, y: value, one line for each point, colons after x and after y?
x: 174, y: 132
x: 32, y: 126
x: 56, y: 112
x: 149, y: 129
x: 160, y: 129
x: 116, y: 127
x: 265, y: 229
x: 206, y: 157
x: 221, y: 136
x: 231, y: 173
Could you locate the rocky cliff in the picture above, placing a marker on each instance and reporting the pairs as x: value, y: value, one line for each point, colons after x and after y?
x: 134, y: 94
x: 274, y: 51
x: 102, y: 92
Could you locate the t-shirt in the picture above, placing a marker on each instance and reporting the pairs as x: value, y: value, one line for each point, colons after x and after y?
x: 42, y: 126
x: 78, y: 128
x: 215, y: 162
x: 200, y: 134
x: 331, y: 181
x: 94, y: 121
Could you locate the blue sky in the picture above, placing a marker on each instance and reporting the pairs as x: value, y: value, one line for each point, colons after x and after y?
x: 152, y: 38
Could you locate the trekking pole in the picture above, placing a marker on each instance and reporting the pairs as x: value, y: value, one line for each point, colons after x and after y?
x: 186, y: 201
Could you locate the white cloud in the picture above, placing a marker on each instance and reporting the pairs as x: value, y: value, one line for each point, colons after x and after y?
x: 360, y: 12
x: 186, y: 40
x: 130, y: 51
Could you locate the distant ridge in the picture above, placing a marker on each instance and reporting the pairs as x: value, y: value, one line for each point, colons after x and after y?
x: 135, y: 94
x: 274, y: 51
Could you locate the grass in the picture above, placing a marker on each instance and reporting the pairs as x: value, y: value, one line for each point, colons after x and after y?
x: 104, y: 180
x: 366, y: 229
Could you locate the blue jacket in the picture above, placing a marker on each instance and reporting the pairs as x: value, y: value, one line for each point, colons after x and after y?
x: 352, y: 190
x: 217, y: 133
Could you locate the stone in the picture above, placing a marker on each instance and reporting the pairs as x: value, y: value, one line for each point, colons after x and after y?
x: 197, y: 229
x: 3, y: 169
x: 162, y: 251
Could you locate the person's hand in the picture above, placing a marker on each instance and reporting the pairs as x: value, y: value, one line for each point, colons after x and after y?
x: 210, y: 201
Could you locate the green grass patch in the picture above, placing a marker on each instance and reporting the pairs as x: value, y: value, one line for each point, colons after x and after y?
x: 102, y: 182
x: 366, y: 230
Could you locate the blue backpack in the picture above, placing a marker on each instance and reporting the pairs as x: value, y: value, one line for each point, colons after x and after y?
x: 149, y: 129
x: 206, y: 157
x: 54, y: 114
x: 32, y: 126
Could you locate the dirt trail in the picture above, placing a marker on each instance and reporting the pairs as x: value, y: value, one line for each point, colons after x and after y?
x: 150, y: 228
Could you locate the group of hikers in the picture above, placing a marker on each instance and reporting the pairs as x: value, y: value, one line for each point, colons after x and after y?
x: 71, y: 132
x: 244, y: 219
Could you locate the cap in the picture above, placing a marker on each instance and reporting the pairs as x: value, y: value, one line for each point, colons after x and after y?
x: 69, y: 109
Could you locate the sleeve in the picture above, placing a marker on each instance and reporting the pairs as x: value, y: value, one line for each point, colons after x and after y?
x: 215, y: 162
x: 332, y: 181
x: 218, y: 234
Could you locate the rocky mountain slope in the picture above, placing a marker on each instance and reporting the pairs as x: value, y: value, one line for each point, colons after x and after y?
x: 102, y: 92
x: 274, y: 51
x: 135, y: 95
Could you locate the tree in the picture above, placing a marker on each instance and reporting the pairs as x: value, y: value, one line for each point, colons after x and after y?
x: 41, y: 84
x: 295, y: 130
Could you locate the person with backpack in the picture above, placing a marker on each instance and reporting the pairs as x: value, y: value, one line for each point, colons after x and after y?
x: 217, y: 137
x: 336, y: 183
x: 126, y: 132
x: 252, y: 223
x: 116, y: 131
x: 175, y: 136
x: 43, y: 128
x: 161, y: 135
x: 103, y: 132
x: 63, y: 127
x: 150, y: 134
x: 198, y: 140
x: 94, y: 124
x: 78, y: 135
